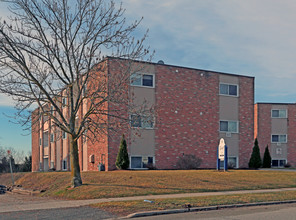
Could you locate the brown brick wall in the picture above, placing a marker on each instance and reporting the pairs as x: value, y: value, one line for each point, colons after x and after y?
x: 291, y: 151
x: 187, y: 116
x: 246, y: 120
x: 118, y: 106
x: 263, y: 118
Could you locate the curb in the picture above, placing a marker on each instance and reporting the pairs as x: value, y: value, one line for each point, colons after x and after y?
x: 209, y: 208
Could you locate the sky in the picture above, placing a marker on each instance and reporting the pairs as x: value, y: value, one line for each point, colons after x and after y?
x: 254, y: 38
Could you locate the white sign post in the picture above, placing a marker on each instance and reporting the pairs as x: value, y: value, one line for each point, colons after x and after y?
x: 222, y: 154
x: 221, y: 149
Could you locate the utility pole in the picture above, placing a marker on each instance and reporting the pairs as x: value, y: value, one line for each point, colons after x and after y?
x: 8, y: 152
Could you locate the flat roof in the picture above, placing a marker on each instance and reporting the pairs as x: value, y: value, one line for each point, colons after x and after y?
x: 184, y: 67
x: 275, y: 103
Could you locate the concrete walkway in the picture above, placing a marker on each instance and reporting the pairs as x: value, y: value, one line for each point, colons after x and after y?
x: 13, y: 203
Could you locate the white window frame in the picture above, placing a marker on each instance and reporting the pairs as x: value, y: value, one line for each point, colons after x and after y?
x: 279, y: 138
x: 229, y: 84
x: 142, y: 122
x: 237, y: 126
x: 279, y: 113
x: 140, y: 75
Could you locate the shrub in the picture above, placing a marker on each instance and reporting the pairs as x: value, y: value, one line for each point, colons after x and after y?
x: 287, y: 165
x: 266, y: 158
x: 122, y: 160
x: 255, y: 160
x: 188, y: 162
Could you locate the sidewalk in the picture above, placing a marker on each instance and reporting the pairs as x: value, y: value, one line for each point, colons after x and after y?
x: 45, y: 203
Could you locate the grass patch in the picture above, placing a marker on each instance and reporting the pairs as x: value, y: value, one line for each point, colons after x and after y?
x: 128, y: 207
x: 132, y: 183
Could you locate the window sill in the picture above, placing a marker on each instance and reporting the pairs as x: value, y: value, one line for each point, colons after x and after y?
x: 234, y: 96
x: 149, y: 87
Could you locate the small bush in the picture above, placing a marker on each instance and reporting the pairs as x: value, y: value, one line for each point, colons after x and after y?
x: 255, y: 160
x: 188, y: 162
x: 122, y: 160
x: 287, y: 165
x: 266, y: 158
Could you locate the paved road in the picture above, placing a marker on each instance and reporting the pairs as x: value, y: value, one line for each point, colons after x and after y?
x: 284, y: 212
x: 79, y: 213
x: 23, y: 203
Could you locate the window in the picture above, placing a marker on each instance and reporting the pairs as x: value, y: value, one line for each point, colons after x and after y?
x: 136, y: 162
x: 282, y: 113
x: 226, y: 89
x: 64, y: 164
x: 45, y: 139
x: 139, y: 162
x: 64, y: 101
x: 229, y: 126
x: 64, y: 135
x: 51, y: 137
x: 278, y: 163
x: 142, y: 80
x: 138, y: 121
x: 40, y: 141
x: 84, y: 90
x: 51, y: 109
x: 232, y: 162
x: 279, y: 138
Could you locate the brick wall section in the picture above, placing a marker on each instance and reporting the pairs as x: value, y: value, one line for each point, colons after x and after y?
x: 35, y: 141
x: 118, y: 72
x: 187, y: 115
x: 246, y: 120
x: 255, y: 121
x: 291, y: 151
x: 97, y: 144
x: 264, y: 126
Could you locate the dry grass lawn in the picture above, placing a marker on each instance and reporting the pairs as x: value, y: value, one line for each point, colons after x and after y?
x: 131, y: 183
x: 128, y: 207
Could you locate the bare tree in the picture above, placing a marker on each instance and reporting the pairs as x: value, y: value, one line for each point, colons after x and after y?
x: 50, y: 50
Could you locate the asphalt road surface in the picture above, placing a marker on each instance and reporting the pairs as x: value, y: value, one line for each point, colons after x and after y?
x: 271, y: 212
x: 83, y: 212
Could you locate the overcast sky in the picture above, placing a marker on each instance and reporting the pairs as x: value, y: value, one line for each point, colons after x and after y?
x: 254, y: 38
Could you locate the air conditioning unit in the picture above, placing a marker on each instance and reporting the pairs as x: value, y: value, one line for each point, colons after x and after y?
x: 278, y: 144
x: 228, y: 134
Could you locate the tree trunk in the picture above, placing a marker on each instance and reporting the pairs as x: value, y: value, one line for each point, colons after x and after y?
x: 75, y: 168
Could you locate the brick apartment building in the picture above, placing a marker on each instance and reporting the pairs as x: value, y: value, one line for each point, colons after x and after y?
x: 275, y: 125
x: 193, y: 110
